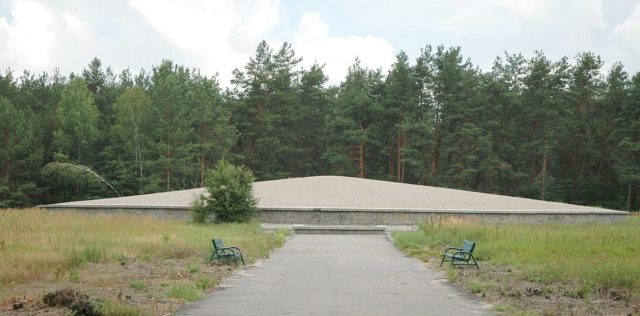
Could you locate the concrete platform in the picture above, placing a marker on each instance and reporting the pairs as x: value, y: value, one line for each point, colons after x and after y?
x: 340, y: 230
x: 333, y: 200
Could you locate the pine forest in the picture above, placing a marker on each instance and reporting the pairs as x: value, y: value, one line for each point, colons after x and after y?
x: 561, y: 130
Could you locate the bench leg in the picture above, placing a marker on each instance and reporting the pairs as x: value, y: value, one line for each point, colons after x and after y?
x: 475, y: 262
x: 242, y: 258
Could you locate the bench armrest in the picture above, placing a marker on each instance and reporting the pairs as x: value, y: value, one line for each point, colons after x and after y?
x: 222, y: 251
x: 452, y: 248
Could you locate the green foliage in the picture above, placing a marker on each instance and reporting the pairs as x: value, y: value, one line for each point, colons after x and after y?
x: 204, y: 284
x: 559, y: 130
x: 229, y: 195
x: 77, y: 118
x: 200, y: 213
x: 184, y: 291
x: 20, y: 154
x: 138, y: 285
x: 110, y: 308
x: 90, y: 254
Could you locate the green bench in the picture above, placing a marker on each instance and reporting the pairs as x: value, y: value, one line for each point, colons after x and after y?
x: 460, y: 255
x: 222, y: 253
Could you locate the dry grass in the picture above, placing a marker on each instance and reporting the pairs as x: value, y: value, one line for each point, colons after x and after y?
x: 596, y: 265
x: 51, y: 247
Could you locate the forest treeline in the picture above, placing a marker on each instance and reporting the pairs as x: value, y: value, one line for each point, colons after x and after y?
x: 562, y: 130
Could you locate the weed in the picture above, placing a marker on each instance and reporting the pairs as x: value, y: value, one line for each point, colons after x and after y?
x: 478, y: 287
x: 452, y: 274
x: 138, y: 285
x: 193, y: 268
x: 184, y: 291
x: 204, y: 284
x: 110, y: 308
x: 74, y: 276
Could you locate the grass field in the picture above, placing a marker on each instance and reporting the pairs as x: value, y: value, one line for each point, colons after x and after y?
x: 158, y: 260
x: 589, y: 268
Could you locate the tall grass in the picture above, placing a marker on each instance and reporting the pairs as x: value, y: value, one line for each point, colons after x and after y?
x: 597, y: 256
x: 35, y: 243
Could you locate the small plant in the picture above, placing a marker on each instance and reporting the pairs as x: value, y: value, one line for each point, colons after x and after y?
x: 184, y: 291
x: 199, y: 210
x: 91, y: 253
x: 194, y: 268
x: 431, y: 226
x: 479, y: 287
x: 138, y: 285
x: 229, y: 195
x: 74, y: 276
x: 114, y: 308
x: 204, y: 284
x: 452, y: 274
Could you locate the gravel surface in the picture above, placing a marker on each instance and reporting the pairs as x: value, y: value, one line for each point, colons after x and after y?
x: 334, y: 192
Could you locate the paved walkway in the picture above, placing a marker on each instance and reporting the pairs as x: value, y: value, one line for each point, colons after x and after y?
x: 336, y: 275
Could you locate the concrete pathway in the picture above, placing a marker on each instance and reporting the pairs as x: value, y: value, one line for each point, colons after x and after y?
x: 336, y: 275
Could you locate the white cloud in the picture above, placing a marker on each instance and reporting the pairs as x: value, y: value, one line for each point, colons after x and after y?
x: 73, y: 23
x: 214, y: 36
x: 313, y: 41
x: 487, y: 28
x: 627, y: 36
x: 218, y: 35
x: 27, y: 39
x: 530, y: 24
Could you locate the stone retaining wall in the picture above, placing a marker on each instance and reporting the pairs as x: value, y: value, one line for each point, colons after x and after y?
x: 378, y: 217
x: 399, y: 217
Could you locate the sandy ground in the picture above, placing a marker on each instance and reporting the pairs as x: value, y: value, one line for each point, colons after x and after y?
x: 333, y: 192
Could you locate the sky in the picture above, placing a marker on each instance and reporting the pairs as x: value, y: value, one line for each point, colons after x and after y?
x: 219, y: 36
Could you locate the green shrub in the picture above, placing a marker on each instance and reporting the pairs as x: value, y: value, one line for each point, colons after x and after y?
x: 229, y: 195
x: 199, y: 210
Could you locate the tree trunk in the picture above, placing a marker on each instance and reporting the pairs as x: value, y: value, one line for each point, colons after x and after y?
x: 141, y: 178
x: 435, y: 157
x: 361, y: 161
x: 574, y: 174
x: 533, y: 162
x: 361, y: 153
x: 629, y: 199
x: 543, y: 175
x: 399, y: 151
x: 391, y: 161
x: 201, y: 171
x: 7, y: 159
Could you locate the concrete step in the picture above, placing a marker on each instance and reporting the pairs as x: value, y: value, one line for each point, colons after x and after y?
x: 340, y: 230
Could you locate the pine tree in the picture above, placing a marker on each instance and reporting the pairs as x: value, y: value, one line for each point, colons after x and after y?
x: 131, y: 130
x: 627, y: 130
x: 77, y: 118
x: 400, y: 104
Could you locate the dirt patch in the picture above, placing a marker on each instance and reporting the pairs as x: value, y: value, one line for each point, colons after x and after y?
x: 508, y: 292
x: 138, y: 285
x: 77, y: 302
